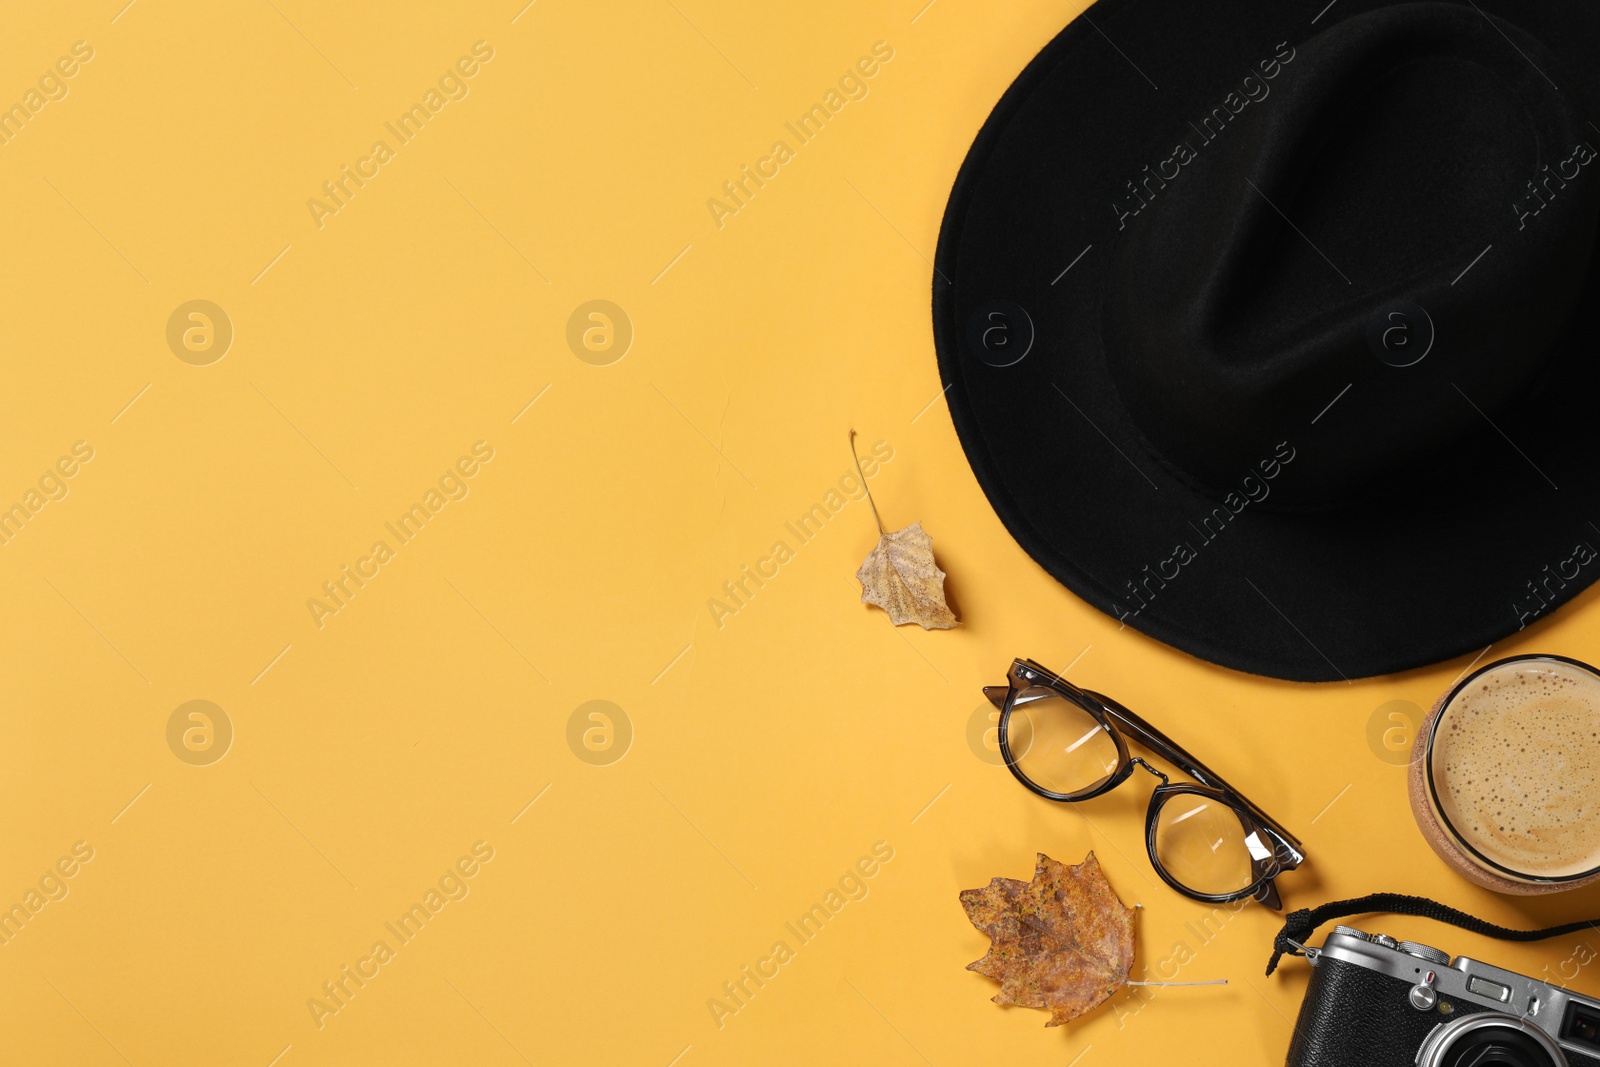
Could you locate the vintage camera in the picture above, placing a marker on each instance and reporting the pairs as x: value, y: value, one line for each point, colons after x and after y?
x: 1377, y: 1002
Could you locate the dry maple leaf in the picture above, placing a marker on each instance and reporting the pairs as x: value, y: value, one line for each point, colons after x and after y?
x: 899, y: 575
x: 1063, y: 941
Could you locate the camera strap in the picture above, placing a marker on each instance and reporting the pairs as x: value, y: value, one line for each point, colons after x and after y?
x: 1299, y: 925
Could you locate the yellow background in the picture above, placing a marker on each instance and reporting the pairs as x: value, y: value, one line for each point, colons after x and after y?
x: 768, y: 753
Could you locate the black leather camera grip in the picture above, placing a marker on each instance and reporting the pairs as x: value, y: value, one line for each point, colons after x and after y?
x: 1355, y: 1016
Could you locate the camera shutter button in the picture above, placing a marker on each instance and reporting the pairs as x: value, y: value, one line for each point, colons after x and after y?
x: 1425, y: 952
x: 1423, y: 996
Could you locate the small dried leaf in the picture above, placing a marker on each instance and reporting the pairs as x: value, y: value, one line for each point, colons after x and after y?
x: 1063, y: 941
x: 900, y: 576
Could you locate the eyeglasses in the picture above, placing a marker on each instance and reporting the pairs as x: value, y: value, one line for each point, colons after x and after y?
x: 1205, y: 840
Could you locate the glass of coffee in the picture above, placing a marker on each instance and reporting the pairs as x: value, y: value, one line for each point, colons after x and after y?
x: 1505, y: 776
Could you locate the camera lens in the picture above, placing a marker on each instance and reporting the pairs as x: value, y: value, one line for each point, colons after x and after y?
x: 1489, y: 1039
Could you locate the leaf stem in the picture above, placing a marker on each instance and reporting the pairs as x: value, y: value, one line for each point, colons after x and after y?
x: 1214, y: 981
x: 863, y: 477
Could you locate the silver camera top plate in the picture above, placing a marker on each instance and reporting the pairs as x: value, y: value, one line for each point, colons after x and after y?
x: 1464, y: 980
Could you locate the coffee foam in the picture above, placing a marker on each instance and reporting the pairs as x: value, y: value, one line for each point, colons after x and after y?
x: 1516, y: 766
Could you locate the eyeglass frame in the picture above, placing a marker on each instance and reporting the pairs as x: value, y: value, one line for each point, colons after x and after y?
x: 1286, y: 853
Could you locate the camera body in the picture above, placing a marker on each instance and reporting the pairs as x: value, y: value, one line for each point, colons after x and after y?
x: 1377, y: 1002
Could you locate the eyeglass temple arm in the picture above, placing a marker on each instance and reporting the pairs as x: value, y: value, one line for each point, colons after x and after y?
x: 1169, y: 749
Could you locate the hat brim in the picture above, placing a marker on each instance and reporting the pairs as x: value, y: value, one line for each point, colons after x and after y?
x: 1491, y: 542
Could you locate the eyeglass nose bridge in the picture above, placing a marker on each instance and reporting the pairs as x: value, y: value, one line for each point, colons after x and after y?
x: 1140, y: 761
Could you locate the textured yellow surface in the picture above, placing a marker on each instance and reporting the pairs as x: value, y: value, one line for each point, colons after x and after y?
x: 422, y: 732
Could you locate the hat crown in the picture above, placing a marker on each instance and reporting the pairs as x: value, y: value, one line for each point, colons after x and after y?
x: 1367, y: 260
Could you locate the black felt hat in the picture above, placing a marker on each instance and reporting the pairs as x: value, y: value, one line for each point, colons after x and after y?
x: 1271, y: 327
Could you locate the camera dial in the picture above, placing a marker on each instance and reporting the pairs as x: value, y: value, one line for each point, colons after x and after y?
x: 1426, y: 952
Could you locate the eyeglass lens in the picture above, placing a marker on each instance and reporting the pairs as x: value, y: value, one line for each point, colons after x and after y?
x: 1201, y: 843
x: 1058, y: 745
